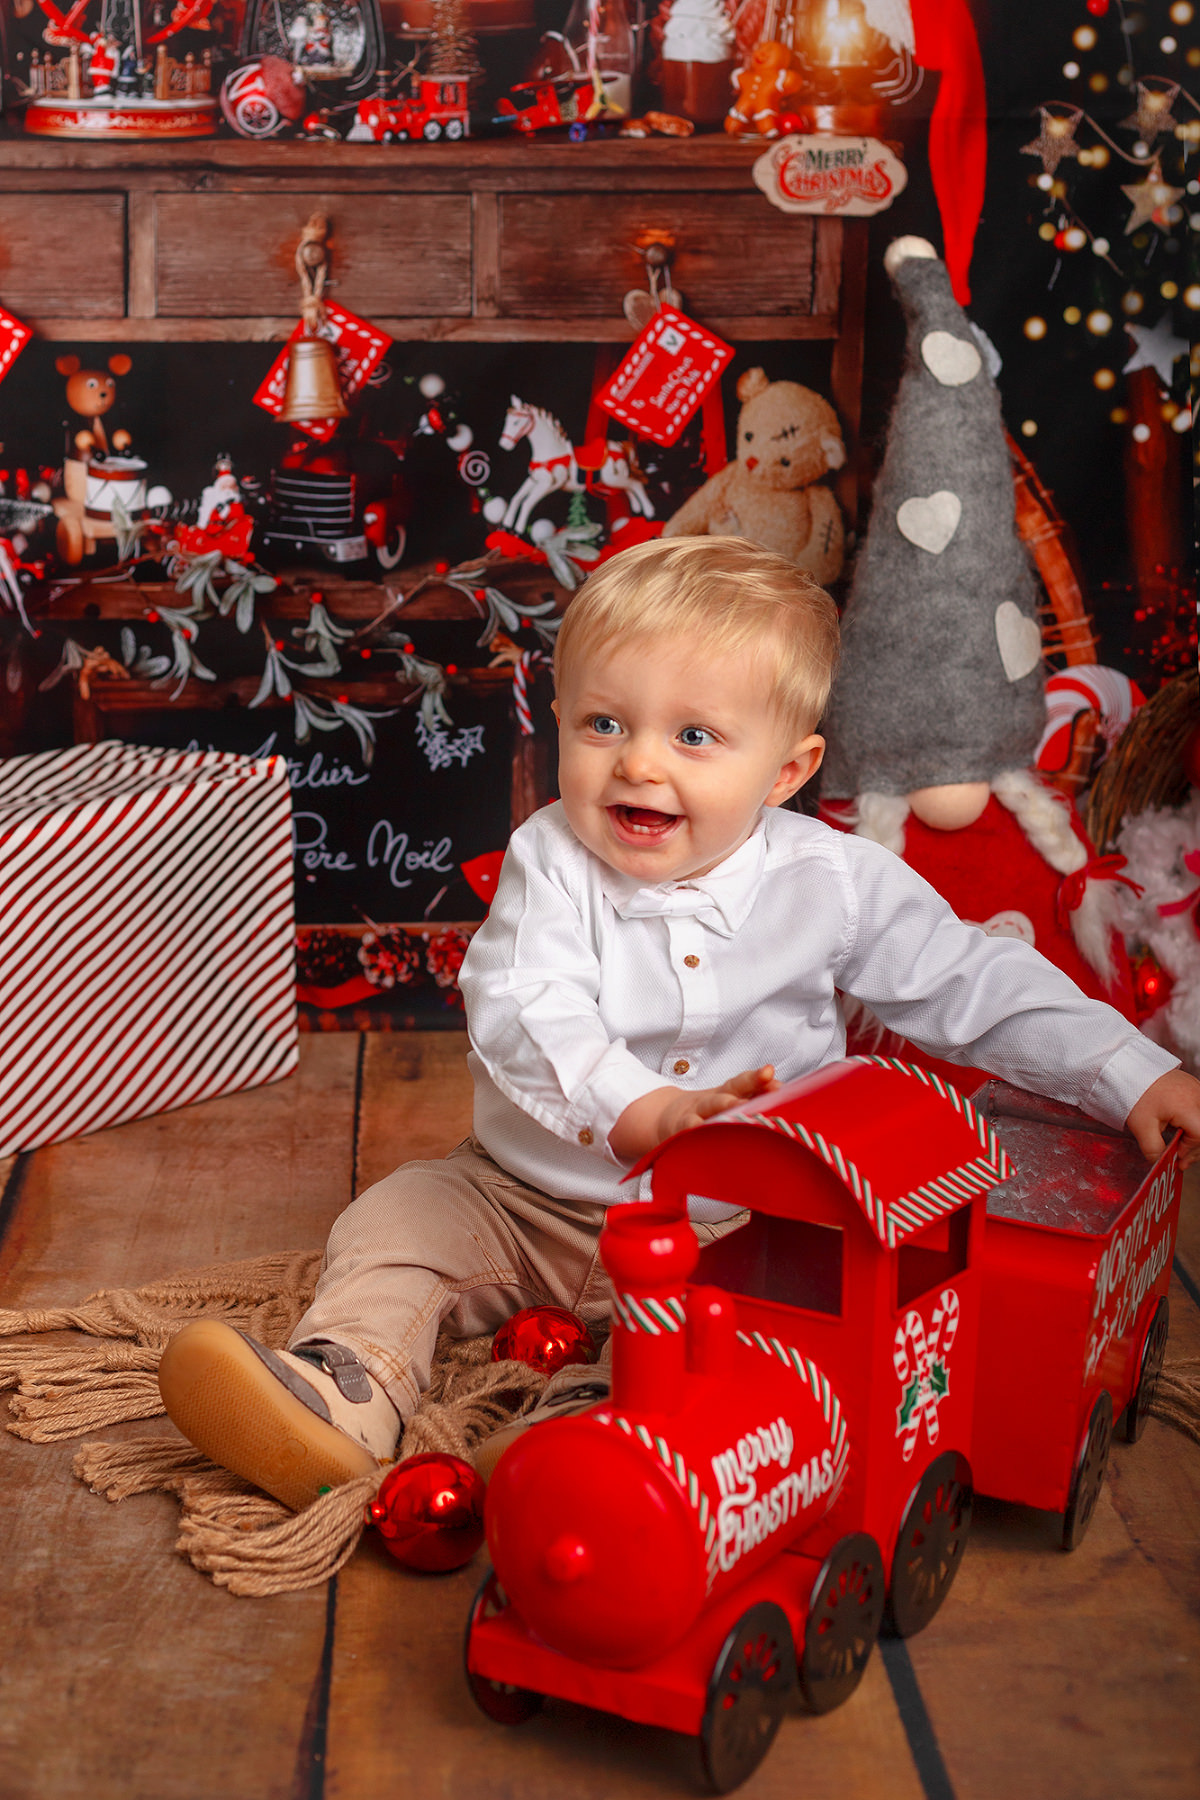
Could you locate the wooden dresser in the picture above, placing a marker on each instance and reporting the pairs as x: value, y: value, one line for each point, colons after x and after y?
x: 492, y: 241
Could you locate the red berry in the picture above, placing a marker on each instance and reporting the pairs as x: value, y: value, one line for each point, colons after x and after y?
x: 1097, y: 8
x: 279, y: 643
x: 441, y: 568
x: 480, y: 593
x: 343, y: 699
x: 409, y: 649
x: 366, y: 655
x: 153, y: 616
x: 452, y: 668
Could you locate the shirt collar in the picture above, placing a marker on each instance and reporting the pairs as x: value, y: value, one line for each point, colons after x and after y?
x: 722, y: 899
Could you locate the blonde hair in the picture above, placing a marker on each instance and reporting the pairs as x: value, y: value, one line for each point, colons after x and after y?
x: 722, y: 593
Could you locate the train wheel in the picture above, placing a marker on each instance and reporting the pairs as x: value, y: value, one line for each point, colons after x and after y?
x: 505, y: 1704
x: 844, y: 1616
x: 1088, y: 1479
x: 751, y: 1683
x: 454, y: 129
x: 388, y: 554
x: 1133, y: 1421
x: 431, y: 131
x: 933, y: 1536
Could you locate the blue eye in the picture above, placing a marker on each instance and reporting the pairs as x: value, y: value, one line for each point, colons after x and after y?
x: 695, y: 737
x: 604, y: 725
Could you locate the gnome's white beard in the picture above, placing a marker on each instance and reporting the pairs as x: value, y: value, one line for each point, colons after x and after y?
x: 1046, y: 821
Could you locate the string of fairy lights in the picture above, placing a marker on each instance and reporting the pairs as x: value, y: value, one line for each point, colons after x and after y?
x: 1148, y: 280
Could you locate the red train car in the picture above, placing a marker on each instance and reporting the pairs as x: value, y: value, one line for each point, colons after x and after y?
x: 1076, y: 1266
x: 785, y: 1461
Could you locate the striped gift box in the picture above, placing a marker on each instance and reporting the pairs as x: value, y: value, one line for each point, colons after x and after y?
x: 146, y: 935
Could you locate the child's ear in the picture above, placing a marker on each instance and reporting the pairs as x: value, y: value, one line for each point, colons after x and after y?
x: 801, y: 766
x: 555, y: 711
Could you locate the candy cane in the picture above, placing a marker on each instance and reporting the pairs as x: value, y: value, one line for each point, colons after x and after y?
x: 521, y: 693
x: 943, y: 1330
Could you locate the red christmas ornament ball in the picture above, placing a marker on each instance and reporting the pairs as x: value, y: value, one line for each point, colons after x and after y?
x: 429, y: 1512
x: 1152, y: 985
x: 545, y: 1337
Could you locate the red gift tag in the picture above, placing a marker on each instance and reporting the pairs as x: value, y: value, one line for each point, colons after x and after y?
x: 665, y: 376
x: 359, y: 348
x: 13, y: 338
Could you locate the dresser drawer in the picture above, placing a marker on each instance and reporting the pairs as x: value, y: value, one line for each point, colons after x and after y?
x: 232, y: 255
x: 734, y: 254
x: 62, y: 254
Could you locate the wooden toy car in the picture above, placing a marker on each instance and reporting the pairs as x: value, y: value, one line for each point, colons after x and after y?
x: 784, y: 1464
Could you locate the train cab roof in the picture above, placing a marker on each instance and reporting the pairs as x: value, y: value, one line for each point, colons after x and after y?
x: 907, y: 1147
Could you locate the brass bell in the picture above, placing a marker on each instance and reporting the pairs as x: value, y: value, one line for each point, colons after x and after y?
x: 312, y: 389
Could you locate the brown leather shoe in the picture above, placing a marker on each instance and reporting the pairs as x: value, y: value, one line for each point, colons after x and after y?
x: 292, y: 1422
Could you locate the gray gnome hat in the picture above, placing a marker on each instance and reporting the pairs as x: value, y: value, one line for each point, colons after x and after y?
x: 941, y: 676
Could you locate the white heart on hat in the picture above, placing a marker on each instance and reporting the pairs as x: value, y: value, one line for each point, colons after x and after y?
x: 930, y: 520
x: 951, y: 360
x: 1019, y: 639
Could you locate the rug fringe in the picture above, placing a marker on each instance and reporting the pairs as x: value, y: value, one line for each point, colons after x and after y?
x: 1177, y: 1396
x: 221, y: 1535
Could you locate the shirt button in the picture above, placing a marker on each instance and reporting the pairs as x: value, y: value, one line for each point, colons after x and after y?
x: 682, y: 1066
x: 691, y: 962
x: 585, y: 1136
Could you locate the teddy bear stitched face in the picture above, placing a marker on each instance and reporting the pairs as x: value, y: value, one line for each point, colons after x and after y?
x: 787, y: 435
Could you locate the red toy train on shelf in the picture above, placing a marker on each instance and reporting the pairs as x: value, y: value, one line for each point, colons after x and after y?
x: 801, y: 1411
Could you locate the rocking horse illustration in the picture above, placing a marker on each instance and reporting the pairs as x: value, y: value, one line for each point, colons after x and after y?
x: 555, y: 463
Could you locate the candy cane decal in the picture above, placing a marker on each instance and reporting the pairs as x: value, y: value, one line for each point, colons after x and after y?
x: 920, y: 1362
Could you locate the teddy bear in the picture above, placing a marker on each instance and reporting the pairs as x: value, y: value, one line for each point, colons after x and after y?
x: 787, y: 438
x: 771, y: 74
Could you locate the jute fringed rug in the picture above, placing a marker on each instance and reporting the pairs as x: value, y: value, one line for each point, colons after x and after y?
x: 245, y: 1541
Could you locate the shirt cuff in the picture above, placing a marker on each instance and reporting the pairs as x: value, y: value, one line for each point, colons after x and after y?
x: 616, y: 1083
x: 1125, y: 1078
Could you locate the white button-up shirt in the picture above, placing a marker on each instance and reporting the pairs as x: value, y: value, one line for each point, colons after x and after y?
x: 585, y: 991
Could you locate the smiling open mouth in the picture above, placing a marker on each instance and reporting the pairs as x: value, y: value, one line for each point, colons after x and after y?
x: 642, y: 824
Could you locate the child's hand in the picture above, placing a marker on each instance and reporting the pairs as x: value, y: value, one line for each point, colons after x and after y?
x: 692, y: 1106
x: 659, y: 1115
x: 1174, y: 1099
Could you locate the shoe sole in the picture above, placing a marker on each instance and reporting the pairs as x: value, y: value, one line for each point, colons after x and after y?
x: 225, y: 1400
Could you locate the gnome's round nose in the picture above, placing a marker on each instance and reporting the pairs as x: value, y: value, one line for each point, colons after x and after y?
x: 940, y: 689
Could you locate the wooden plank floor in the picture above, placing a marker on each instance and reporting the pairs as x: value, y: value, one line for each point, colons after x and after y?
x: 124, y: 1675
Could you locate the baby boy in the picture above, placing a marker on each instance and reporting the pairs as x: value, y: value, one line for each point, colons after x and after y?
x: 665, y: 943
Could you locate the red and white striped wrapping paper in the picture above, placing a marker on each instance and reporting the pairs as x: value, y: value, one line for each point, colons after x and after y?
x: 146, y: 935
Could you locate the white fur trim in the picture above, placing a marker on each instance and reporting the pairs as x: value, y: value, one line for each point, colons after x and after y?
x: 1046, y: 821
x: 880, y: 817
x: 901, y: 248
x: 893, y: 19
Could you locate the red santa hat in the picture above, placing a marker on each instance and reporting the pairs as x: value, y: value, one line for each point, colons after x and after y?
x: 940, y: 34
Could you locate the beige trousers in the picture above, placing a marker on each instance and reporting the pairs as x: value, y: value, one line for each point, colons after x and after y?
x: 457, y: 1242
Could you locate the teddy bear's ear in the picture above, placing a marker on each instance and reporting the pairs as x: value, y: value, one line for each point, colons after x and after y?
x: 833, y: 450
x: 753, y: 382
x: 66, y: 365
x: 120, y: 365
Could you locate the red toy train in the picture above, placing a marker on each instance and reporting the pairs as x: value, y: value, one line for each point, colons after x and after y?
x: 788, y: 1456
